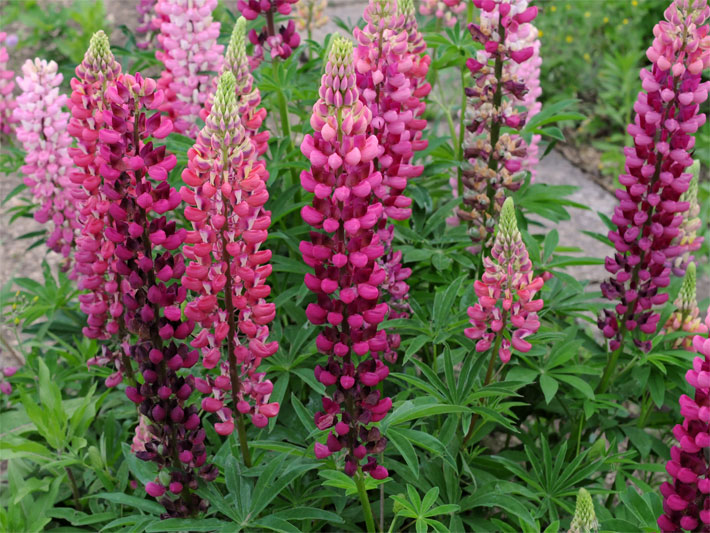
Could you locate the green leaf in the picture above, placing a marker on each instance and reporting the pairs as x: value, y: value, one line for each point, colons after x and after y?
x: 549, y: 386
x: 133, y: 502
x: 187, y: 524
x: 578, y: 383
x: 405, y: 448
x: 409, y: 411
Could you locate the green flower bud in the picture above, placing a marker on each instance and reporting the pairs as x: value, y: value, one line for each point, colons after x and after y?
x: 585, y: 520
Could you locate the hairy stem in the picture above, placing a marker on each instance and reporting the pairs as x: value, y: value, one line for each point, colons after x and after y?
x: 362, y: 492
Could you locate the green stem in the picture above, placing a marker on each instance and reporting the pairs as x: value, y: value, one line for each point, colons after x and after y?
x: 489, y: 375
x: 362, y: 492
x: 462, y: 129
x: 74, y: 488
x: 610, y: 367
x: 469, y: 14
x: 283, y: 106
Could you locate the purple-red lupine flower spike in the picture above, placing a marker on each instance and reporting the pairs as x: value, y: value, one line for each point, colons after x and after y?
x: 236, y: 61
x: 7, y: 84
x: 189, y: 52
x: 686, y: 500
x: 391, y: 82
x: 87, y: 104
x: 344, y: 251
x: 506, y: 293
x: 279, y: 42
x: 149, y: 266
x: 495, y: 157
x: 650, y: 204
x: 227, y: 266
x: 42, y: 131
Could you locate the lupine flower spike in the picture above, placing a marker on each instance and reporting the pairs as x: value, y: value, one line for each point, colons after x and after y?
x: 343, y: 251
x: 688, y: 238
x: 686, y: 317
x: 505, y: 293
x: 252, y: 116
x: 42, y: 130
x: 390, y: 79
x: 686, y: 499
x: 7, y: 102
x: 101, y: 301
x: 145, y: 258
x: 279, y: 43
x: 310, y: 15
x: 227, y: 267
x: 445, y: 10
x: 495, y: 100
x: 585, y: 519
x: 651, y: 208
x: 189, y: 39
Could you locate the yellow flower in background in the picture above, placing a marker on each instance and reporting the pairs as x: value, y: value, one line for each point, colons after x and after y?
x: 540, y: 33
x: 587, y: 57
x: 569, y: 39
x: 625, y: 21
x: 553, y: 8
x: 606, y: 19
x: 587, y: 14
x: 634, y: 3
x: 568, y: 7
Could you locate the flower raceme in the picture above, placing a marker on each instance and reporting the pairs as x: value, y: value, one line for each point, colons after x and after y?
x: 190, y: 50
x: 146, y: 260
x: 686, y: 500
x: 688, y: 238
x: 7, y: 103
x: 651, y: 208
x: 343, y: 251
x: 236, y: 61
x: 445, y: 10
x: 495, y: 157
x: 42, y: 130
x: 686, y: 316
x: 226, y: 192
x: 505, y: 293
x: 280, y: 43
x: 87, y: 104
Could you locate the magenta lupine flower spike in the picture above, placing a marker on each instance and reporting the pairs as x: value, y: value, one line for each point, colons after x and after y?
x: 445, y: 10
x: 189, y: 39
x: 42, y: 130
x: 236, y: 61
x: 279, y: 43
x: 686, y: 500
x: 226, y: 194
x: 101, y: 301
x: 688, y: 238
x: 505, y: 293
x: 344, y: 251
x: 7, y: 101
x: 146, y: 18
x: 650, y: 207
x: 495, y: 158
x: 148, y: 264
x: 686, y: 317
x: 390, y: 79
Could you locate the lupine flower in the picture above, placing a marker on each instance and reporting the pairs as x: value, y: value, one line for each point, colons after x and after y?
x: 190, y: 51
x: 686, y: 500
x: 688, y: 238
x: 42, y: 130
x: 149, y: 267
x: 148, y: 22
x: 650, y: 207
x: 236, y: 61
x: 505, y: 293
x: 5, y: 385
x: 686, y: 317
x: 390, y: 79
x: 310, y: 15
x: 585, y: 519
x: 495, y: 158
x: 445, y: 10
x: 87, y: 104
x: 528, y: 72
x: 279, y: 43
x: 226, y: 194
x: 344, y: 252
x: 7, y: 102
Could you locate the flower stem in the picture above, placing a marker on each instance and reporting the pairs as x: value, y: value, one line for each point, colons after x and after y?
x: 362, y: 492
x: 486, y: 381
x: 74, y: 488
